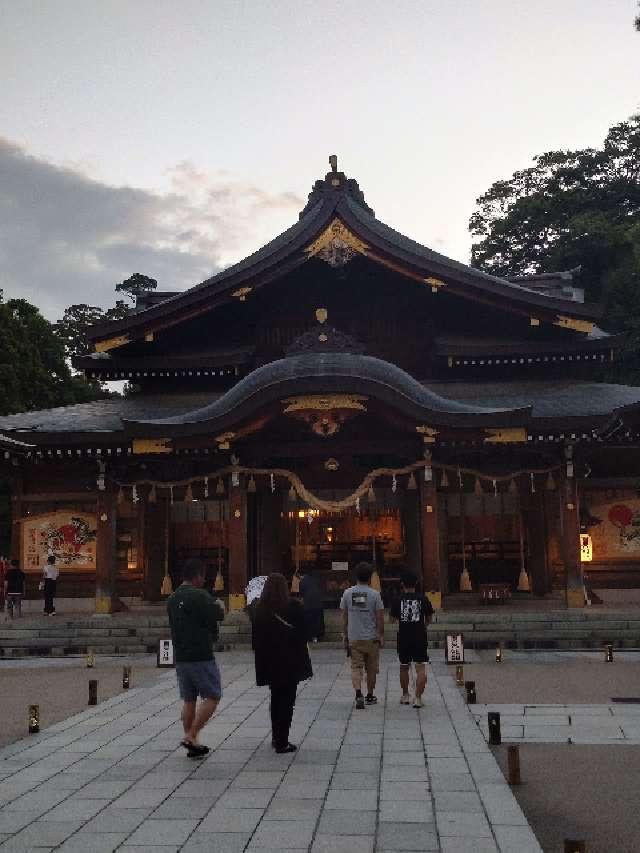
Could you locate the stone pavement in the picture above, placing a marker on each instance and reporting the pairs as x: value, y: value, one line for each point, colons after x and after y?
x: 388, y: 778
x: 617, y: 723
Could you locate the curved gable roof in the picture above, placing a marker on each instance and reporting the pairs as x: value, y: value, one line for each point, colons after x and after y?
x: 338, y: 197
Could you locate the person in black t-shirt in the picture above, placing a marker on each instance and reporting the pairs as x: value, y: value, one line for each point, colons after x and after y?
x: 413, y: 612
x: 14, y: 589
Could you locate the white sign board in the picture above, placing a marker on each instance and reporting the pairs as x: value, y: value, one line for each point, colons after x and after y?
x: 340, y: 566
x: 165, y: 653
x: 454, y: 652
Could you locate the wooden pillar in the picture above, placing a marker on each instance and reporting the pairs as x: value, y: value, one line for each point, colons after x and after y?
x: 533, y: 506
x: 237, y: 545
x: 570, y: 518
x: 17, y: 487
x: 270, y: 525
x: 154, y: 530
x: 411, y: 530
x: 431, y: 575
x: 105, y: 552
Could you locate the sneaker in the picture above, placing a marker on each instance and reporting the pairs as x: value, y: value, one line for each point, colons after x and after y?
x: 370, y: 699
x: 405, y: 699
x: 417, y: 702
x: 360, y: 703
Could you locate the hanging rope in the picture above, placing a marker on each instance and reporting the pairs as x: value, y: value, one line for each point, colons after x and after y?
x: 336, y: 506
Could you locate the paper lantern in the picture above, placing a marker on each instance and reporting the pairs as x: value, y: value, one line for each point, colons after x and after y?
x: 220, y: 487
x: 412, y: 485
x: 153, y: 497
x: 251, y: 485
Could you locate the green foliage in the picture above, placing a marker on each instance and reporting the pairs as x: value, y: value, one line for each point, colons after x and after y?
x: 33, y: 371
x: 73, y: 327
x: 136, y: 285
x: 571, y: 208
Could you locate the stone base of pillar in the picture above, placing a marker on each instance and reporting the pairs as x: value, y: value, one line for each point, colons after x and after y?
x: 436, y: 600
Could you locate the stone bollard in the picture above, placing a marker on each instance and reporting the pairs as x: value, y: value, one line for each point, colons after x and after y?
x: 513, y: 759
x: 91, y: 659
x: 460, y: 675
x: 499, y: 654
x: 495, y: 736
x: 93, y: 692
x: 470, y: 687
x: 34, y: 719
x: 126, y: 677
x: 608, y: 653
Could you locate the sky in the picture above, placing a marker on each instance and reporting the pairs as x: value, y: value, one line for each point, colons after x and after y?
x: 173, y: 138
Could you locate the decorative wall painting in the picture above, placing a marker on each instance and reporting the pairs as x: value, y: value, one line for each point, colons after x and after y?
x: 69, y: 536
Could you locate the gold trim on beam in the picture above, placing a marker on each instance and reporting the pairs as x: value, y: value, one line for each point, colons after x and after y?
x: 585, y: 326
x: 324, y: 403
x: 507, y: 435
x: 336, y: 233
x: 434, y: 283
x: 112, y: 343
x: 534, y: 321
x: 152, y: 445
x: 148, y: 336
x: 224, y: 440
x: 428, y: 434
x: 241, y: 293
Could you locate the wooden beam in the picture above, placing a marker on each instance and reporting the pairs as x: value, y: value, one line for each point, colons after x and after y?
x: 105, y: 552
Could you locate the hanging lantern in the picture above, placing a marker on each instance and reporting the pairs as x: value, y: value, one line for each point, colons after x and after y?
x: 412, y: 485
x: 273, y: 482
x: 295, y: 584
x: 171, y: 494
x: 551, y: 483
x: 495, y: 488
x: 220, y: 487
x: 478, y: 488
x: 375, y: 580
x: 121, y: 498
x: 444, y: 480
x: 153, y: 498
x: 523, y: 581
x: 218, y: 584
x: 460, y: 479
x: 371, y: 495
x: 513, y: 487
x: 465, y: 581
x: 235, y: 478
x: 394, y: 484
x: 166, y: 588
x: 292, y: 494
x: 206, y: 487
x: 533, y: 483
x: 251, y: 485
x: 428, y: 470
x: 134, y: 494
x: 188, y: 495
x: 358, y: 504
x: 310, y: 516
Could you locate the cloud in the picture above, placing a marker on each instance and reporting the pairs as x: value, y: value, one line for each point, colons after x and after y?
x: 66, y: 238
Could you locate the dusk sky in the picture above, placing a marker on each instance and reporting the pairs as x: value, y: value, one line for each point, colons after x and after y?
x: 171, y: 138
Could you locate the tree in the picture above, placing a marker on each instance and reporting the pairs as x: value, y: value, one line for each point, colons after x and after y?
x: 72, y: 329
x: 33, y: 371
x: 136, y: 285
x: 571, y: 208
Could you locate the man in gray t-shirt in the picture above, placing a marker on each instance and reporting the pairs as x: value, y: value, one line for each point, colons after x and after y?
x: 363, y: 631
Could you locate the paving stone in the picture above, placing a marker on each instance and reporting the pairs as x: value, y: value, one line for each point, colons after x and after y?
x: 201, y: 788
x: 221, y: 819
x: 218, y: 842
x: 403, y: 759
x: 90, y: 842
x: 407, y: 836
x: 117, y: 820
x: 193, y: 808
x: 135, y: 798
x: 407, y: 791
x: 458, y: 801
x: 406, y: 812
x: 99, y: 790
x: 162, y: 832
x: 246, y: 798
x: 452, y: 782
x: 342, y: 844
x: 352, y: 799
x: 472, y: 845
x: 264, y: 779
x: 463, y: 823
x: 356, y: 781
x: 44, y: 833
x: 293, y: 809
x: 283, y: 835
x: 77, y: 809
x: 518, y: 838
x: 303, y: 790
x: 404, y: 774
x: 348, y: 822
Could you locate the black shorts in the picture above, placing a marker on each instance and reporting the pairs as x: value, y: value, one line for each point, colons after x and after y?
x: 412, y: 650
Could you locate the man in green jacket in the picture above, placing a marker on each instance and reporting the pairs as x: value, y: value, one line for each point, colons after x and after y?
x: 194, y: 617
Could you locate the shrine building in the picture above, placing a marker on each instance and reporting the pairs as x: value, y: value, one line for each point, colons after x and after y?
x: 344, y: 393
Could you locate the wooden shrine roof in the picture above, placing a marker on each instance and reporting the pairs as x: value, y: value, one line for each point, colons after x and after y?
x: 337, y: 202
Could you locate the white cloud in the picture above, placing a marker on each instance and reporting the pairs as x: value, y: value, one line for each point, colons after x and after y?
x: 66, y: 238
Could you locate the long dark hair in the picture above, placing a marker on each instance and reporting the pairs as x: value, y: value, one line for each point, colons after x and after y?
x: 275, y: 594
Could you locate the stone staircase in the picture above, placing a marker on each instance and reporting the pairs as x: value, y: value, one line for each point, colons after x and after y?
x: 139, y: 631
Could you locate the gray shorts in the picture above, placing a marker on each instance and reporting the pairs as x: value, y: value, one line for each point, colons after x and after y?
x: 198, y: 678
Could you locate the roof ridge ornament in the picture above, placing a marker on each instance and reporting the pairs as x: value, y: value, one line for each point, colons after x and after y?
x: 334, y: 185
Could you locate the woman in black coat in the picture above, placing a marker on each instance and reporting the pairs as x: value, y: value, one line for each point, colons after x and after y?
x: 281, y: 654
